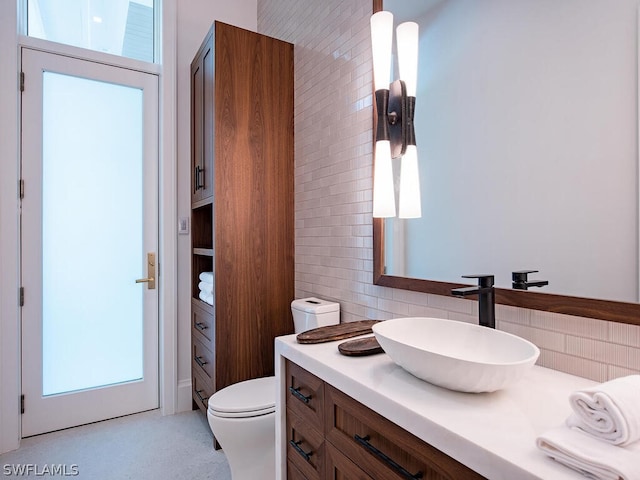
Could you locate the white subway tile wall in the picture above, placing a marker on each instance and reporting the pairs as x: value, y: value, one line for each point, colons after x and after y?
x: 333, y: 199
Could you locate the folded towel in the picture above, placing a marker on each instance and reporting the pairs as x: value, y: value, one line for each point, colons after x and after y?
x: 206, y: 277
x: 206, y: 287
x: 591, y: 457
x: 205, y: 297
x: 609, y: 411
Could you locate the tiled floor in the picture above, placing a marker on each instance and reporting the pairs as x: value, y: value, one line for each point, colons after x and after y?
x: 136, y: 447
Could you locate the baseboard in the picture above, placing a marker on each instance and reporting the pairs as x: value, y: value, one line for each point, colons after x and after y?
x: 184, y: 395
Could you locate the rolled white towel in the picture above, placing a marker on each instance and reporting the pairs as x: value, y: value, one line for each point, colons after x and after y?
x: 205, y: 297
x: 206, y: 277
x: 206, y: 287
x: 609, y: 411
x: 589, y: 456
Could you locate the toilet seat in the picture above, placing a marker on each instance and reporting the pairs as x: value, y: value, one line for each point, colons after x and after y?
x: 251, y: 398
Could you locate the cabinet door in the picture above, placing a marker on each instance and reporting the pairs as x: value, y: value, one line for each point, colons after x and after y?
x: 202, y: 122
x: 208, y: 115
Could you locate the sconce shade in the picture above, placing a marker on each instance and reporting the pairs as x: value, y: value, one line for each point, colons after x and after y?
x: 381, y: 41
x: 407, y: 40
x: 395, y: 106
x: 384, y: 200
x: 410, y: 202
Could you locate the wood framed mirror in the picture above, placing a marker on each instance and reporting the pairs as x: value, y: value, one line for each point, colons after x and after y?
x: 617, y: 311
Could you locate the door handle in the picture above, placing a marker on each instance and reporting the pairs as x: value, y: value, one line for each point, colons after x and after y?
x: 151, y: 272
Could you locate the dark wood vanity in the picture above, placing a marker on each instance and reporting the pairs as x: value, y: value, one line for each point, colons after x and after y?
x: 332, y: 436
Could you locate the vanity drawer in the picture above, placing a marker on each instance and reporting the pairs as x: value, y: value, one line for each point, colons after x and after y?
x: 305, y: 395
x: 305, y: 447
x: 201, y: 390
x: 202, y: 324
x: 202, y: 360
x: 381, y: 448
x: 339, y: 467
x: 293, y: 473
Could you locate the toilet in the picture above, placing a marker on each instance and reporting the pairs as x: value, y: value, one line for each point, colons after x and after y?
x: 242, y: 415
x: 312, y: 312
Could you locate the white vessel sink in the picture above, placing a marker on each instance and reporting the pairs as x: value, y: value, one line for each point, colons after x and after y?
x: 456, y: 355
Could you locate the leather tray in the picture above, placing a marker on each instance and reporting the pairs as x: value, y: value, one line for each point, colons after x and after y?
x: 336, y: 332
x: 360, y: 347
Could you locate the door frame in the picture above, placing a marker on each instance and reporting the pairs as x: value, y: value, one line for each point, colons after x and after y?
x: 63, y: 409
x: 10, y: 355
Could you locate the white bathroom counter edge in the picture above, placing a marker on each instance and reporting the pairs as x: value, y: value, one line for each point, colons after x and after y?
x: 493, y: 434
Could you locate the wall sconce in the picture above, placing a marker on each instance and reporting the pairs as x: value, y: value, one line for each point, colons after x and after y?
x: 395, y: 105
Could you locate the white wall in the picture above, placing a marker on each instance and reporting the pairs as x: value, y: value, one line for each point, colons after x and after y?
x: 9, y: 327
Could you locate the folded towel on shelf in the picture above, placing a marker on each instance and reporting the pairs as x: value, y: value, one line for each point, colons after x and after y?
x: 589, y: 456
x: 206, y: 287
x: 205, y: 297
x: 206, y: 277
x: 609, y: 411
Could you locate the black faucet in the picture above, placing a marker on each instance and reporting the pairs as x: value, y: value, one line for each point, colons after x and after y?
x: 520, y: 280
x: 486, y: 298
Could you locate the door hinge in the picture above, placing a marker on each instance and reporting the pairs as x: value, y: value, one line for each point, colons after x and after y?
x: 22, y: 81
x: 21, y: 296
x: 22, y: 404
x: 21, y: 188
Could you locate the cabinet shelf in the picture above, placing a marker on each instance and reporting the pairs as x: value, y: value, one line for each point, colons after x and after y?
x: 205, y: 252
x: 201, y: 203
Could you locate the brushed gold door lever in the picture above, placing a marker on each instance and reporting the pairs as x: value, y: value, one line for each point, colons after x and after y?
x: 151, y: 272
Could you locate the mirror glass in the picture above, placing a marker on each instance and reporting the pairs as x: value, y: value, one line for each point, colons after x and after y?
x: 526, y: 127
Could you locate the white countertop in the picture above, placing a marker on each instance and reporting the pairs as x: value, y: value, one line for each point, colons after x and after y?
x: 491, y: 433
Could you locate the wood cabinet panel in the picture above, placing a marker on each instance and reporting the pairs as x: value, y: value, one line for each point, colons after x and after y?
x: 305, y: 395
x: 197, y: 127
x: 254, y: 214
x: 202, y: 323
x: 293, y: 473
x: 203, y: 360
x: 382, y: 448
x: 206, y: 182
x: 201, y: 390
x: 202, y: 121
x: 305, y: 447
x: 242, y: 203
x: 339, y: 467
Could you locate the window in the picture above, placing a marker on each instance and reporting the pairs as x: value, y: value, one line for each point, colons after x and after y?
x: 118, y: 27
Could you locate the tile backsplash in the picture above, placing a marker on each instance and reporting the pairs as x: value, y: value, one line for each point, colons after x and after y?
x: 333, y: 200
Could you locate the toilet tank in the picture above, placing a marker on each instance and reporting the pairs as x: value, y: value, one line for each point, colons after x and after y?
x: 313, y: 312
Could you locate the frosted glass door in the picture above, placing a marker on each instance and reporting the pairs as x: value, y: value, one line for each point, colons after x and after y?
x: 92, y: 173
x: 89, y: 220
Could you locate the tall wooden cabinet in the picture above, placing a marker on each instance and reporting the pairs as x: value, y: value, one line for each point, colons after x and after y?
x: 242, y: 205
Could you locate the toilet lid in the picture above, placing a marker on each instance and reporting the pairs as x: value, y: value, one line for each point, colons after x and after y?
x: 245, y: 399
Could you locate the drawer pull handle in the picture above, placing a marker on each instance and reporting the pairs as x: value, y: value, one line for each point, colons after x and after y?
x: 303, y: 454
x: 202, y: 399
x: 198, y: 171
x: 199, y: 361
x: 364, y: 441
x: 201, y: 326
x: 296, y: 393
